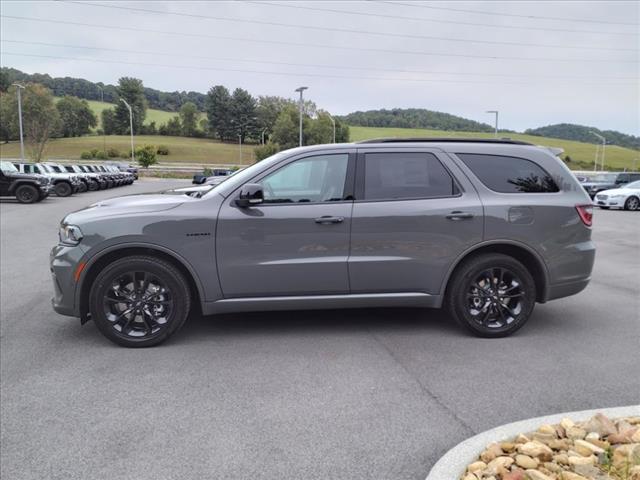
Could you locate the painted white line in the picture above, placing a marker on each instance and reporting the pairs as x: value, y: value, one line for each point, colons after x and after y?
x: 453, y: 464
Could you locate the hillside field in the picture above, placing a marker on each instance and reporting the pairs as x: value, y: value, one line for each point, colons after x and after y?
x: 157, y: 116
x: 582, y: 154
x: 181, y: 149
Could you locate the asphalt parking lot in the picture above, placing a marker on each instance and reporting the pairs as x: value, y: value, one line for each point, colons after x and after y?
x: 361, y: 394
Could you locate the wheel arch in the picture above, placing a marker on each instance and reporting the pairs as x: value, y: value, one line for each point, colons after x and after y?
x: 104, y: 257
x: 524, y: 254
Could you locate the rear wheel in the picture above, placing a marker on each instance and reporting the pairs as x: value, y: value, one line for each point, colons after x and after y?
x: 139, y: 301
x: 632, y: 203
x: 63, y: 189
x: 491, y: 295
x: 27, y: 194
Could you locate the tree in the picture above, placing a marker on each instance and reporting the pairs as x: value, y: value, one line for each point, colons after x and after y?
x: 285, y: 130
x: 109, y: 126
x: 243, y: 113
x: 189, y: 119
x: 218, y: 108
x: 9, y: 115
x: 263, y: 151
x: 146, y: 155
x: 40, y: 118
x: 76, y: 116
x: 131, y: 90
x: 172, y: 127
x: 5, y: 82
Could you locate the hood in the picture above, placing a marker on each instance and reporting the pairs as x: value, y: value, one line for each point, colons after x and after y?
x: 618, y: 191
x: 596, y: 184
x: 28, y: 176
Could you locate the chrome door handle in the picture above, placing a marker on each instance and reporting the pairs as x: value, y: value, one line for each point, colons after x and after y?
x: 459, y: 215
x: 328, y: 219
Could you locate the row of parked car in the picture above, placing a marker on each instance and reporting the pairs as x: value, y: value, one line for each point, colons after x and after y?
x: 613, y: 189
x: 33, y: 182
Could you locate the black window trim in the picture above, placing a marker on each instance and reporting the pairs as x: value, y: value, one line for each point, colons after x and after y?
x: 360, y: 177
x: 348, y: 182
x: 507, y: 156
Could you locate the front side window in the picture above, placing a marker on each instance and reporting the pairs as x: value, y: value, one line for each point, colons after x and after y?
x: 309, y: 180
x: 406, y: 175
x: 28, y: 168
x: 509, y: 174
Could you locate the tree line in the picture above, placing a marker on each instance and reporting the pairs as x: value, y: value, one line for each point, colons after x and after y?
x: 581, y: 133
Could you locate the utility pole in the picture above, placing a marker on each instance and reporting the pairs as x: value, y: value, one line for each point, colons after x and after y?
x: 19, y: 88
x: 131, y: 126
x: 595, y: 160
x: 301, y: 89
x: 263, y: 130
x: 604, y: 144
x: 333, y: 122
x: 240, y: 143
x: 495, y: 134
x: 104, y: 138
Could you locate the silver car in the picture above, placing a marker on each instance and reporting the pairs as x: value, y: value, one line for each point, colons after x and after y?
x: 484, y: 228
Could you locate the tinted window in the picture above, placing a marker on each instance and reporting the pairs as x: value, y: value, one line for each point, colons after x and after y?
x: 509, y: 174
x: 312, y: 179
x: 405, y: 175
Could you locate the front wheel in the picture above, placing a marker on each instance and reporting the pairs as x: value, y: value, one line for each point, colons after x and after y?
x: 63, y: 189
x: 491, y: 295
x: 632, y: 203
x: 139, y: 301
x: 82, y: 187
x: 27, y: 194
x: 93, y: 186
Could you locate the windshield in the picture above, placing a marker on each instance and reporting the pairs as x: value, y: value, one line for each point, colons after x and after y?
x: 55, y: 168
x: 8, y: 167
x: 633, y: 185
x: 604, y: 177
x: 45, y: 168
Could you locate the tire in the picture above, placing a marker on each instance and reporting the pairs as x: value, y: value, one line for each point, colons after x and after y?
x: 27, y: 194
x: 93, y: 185
x: 484, y: 310
x: 632, y: 203
x: 82, y: 187
x: 140, y: 328
x: 63, y: 189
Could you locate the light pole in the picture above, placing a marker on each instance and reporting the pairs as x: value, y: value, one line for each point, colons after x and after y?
x: 333, y: 122
x: 496, y: 124
x: 240, y: 143
x: 19, y: 88
x: 262, y: 135
x: 131, y: 127
x: 104, y: 139
x: 301, y: 89
x: 604, y: 144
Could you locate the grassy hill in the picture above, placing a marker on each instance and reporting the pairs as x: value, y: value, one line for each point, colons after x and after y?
x: 582, y: 154
x: 181, y: 149
x: 157, y: 116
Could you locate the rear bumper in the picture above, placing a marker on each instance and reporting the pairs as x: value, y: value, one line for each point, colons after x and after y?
x: 562, y: 290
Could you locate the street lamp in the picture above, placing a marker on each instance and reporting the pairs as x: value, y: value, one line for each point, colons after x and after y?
x: 240, y: 143
x: 19, y: 88
x: 104, y: 139
x: 130, y: 126
x: 262, y: 135
x: 333, y: 122
x: 604, y: 144
x: 301, y: 89
x: 496, y: 124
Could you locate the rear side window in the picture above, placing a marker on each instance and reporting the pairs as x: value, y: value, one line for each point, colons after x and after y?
x: 393, y: 176
x: 509, y: 174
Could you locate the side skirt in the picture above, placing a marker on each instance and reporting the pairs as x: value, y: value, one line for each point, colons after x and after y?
x: 311, y: 302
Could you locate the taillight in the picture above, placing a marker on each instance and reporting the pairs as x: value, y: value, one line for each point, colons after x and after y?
x: 586, y: 214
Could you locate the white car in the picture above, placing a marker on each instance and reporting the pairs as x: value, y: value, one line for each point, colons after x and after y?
x: 627, y: 197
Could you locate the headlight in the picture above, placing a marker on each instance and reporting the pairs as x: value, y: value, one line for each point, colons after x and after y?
x: 70, y: 235
x: 616, y: 196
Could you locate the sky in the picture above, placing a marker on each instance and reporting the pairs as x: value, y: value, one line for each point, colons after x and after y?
x: 537, y: 63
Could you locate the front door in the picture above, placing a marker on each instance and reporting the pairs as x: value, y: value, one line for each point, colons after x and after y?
x: 297, y: 241
x: 414, y: 214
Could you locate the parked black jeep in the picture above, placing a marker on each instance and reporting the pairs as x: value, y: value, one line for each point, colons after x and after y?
x: 26, y: 188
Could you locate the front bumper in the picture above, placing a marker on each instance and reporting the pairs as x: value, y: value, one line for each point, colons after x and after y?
x: 63, y: 262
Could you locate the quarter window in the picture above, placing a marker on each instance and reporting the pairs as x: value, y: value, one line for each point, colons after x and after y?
x: 309, y: 180
x: 509, y: 174
x: 406, y: 175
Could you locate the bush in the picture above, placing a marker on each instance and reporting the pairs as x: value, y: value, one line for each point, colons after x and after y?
x: 113, y: 152
x: 94, y: 152
x: 162, y: 150
x: 146, y: 155
x: 101, y: 156
x: 264, y: 151
x: 86, y: 156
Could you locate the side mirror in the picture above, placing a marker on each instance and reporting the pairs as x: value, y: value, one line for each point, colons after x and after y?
x: 250, y: 194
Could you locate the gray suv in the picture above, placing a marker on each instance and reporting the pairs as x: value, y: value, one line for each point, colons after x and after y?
x: 485, y: 228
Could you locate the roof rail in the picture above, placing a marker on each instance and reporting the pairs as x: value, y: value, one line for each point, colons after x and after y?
x: 445, y: 140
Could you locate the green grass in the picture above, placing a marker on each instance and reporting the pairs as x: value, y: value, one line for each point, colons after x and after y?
x: 157, y: 116
x: 582, y: 154
x: 181, y: 149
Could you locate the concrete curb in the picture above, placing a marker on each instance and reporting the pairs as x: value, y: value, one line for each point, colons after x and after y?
x: 452, y: 465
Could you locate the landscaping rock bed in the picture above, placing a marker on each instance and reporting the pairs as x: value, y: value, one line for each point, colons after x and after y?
x: 597, y: 449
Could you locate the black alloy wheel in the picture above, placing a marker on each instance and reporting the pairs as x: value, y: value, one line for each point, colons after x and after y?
x: 27, y: 194
x: 63, y: 189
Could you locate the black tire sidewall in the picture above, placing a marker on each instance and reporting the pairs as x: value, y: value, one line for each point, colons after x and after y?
x: 22, y: 188
x: 63, y: 189
x: 457, y: 300
x: 93, y: 185
x: 173, y: 279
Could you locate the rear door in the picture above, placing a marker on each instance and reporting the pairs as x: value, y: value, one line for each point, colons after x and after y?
x: 414, y: 214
